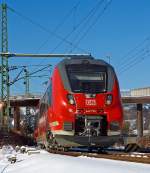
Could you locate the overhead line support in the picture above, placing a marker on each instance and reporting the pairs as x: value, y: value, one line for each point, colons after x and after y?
x: 4, y: 68
x: 8, y: 54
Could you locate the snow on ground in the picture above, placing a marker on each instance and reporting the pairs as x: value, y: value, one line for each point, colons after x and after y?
x: 45, y: 163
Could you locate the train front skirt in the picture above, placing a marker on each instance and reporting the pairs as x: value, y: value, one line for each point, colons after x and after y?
x: 74, y: 141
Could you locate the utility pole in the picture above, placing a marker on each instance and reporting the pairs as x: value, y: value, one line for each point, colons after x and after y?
x: 4, y: 68
x: 26, y: 82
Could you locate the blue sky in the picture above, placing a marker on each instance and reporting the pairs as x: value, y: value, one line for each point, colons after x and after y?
x: 123, y: 26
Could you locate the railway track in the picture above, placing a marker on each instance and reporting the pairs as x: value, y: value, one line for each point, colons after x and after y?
x: 130, y: 157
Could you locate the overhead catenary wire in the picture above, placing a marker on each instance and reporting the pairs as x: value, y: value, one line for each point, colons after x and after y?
x: 133, y: 58
x: 16, y: 67
x: 133, y: 53
x: 31, y: 21
x: 30, y: 74
x: 83, y: 23
x: 18, y: 75
x: 57, y: 28
x: 47, y: 76
x: 23, y: 67
x: 130, y: 52
x: 52, y: 33
x: 17, y: 87
x: 92, y: 24
x: 135, y: 63
x: 59, y: 25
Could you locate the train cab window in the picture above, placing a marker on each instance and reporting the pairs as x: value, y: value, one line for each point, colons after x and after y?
x: 87, y: 78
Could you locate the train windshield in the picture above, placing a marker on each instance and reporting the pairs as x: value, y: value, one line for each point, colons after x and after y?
x: 87, y: 78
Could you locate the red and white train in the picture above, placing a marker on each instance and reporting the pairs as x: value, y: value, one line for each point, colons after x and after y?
x: 81, y: 106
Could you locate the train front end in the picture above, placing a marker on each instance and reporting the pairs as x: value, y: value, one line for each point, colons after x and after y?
x: 86, y: 103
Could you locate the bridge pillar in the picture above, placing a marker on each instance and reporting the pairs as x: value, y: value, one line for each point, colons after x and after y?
x: 139, y: 120
x: 17, y: 118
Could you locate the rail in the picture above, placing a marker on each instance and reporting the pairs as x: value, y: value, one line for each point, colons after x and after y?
x: 121, y: 156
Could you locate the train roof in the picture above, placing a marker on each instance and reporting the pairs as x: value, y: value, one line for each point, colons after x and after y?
x: 83, y: 60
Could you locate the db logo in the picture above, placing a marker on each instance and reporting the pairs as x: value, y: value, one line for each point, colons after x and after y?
x: 90, y: 102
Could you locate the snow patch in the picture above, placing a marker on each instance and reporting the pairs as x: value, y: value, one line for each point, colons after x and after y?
x: 45, y: 162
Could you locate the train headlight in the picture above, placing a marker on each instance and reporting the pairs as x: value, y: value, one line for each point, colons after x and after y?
x: 109, y: 99
x: 71, y: 99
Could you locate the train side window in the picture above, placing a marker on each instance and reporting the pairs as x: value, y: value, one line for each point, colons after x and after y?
x: 49, y: 94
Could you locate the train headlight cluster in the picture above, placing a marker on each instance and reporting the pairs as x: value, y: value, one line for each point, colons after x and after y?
x: 71, y: 99
x: 109, y: 99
